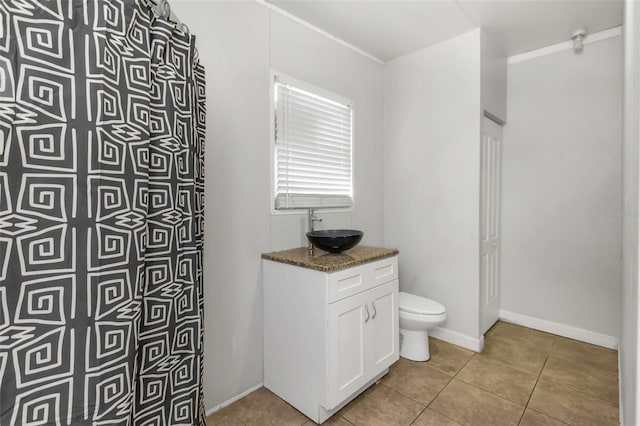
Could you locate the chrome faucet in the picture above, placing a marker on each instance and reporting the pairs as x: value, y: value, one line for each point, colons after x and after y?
x: 311, y: 219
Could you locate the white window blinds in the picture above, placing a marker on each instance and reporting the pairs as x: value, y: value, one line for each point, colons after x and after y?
x: 313, y: 147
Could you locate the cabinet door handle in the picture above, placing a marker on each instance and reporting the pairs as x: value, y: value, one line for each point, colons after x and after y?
x: 375, y: 312
x: 366, y: 307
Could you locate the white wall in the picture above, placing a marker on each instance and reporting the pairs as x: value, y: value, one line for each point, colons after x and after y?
x: 238, y: 43
x: 431, y: 205
x: 629, y: 395
x: 311, y: 57
x: 237, y: 189
x: 493, y: 77
x: 561, y: 227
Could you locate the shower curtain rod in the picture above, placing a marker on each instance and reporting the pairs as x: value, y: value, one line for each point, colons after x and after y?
x: 163, y: 8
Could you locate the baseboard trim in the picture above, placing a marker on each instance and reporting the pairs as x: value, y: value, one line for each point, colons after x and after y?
x: 561, y: 329
x: 620, y: 395
x: 459, y: 339
x: 230, y: 401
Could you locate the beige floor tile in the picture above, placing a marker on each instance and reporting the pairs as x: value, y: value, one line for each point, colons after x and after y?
x: 492, y: 329
x: 584, y: 353
x: 525, y: 337
x: 446, y: 357
x: 224, y: 417
x: 577, y: 386
x: 586, y: 379
x: 416, y: 380
x: 499, y: 379
x: 468, y: 405
x: 514, y: 355
x: 264, y: 408
x: 432, y: 418
x: 381, y: 406
x: 565, y: 404
x: 533, y: 418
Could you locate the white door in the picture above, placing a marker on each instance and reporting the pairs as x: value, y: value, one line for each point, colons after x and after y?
x: 383, y: 334
x: 490, y: 200
x: 347, y: 320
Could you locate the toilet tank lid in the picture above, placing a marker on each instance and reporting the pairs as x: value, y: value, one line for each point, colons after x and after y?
x: 420, y: 305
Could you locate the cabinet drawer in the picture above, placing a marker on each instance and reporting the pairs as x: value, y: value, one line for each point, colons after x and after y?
x: 351, y: 281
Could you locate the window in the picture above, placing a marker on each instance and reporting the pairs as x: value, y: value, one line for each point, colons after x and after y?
x: 312, y: 148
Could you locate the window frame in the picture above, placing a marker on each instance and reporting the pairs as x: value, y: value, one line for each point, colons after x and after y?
x: 273, y: 76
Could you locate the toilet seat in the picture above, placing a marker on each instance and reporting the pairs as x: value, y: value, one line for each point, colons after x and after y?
x: 411, y: 303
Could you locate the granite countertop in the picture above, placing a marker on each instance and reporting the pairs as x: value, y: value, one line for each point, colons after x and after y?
x: 330, y: 262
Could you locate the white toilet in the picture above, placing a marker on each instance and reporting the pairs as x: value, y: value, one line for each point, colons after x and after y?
x: 417, y: 315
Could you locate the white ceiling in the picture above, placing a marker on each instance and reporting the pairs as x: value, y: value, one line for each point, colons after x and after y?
x: 391, y: 28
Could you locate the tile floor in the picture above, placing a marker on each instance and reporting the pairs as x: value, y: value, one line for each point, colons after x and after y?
x: 523, y: 377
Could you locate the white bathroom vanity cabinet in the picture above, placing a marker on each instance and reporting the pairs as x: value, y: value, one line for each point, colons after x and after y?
x: 330, y: 325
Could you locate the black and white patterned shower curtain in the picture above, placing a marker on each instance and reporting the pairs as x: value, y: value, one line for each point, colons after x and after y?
x: 101, y: 215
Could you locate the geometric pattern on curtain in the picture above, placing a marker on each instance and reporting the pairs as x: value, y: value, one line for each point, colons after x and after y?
x: 101, y: 215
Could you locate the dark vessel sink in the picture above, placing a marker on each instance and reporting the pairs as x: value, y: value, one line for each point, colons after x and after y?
x: 335, y: 240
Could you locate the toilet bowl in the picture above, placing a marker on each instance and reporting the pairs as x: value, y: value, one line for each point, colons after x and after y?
x: 417, y: 315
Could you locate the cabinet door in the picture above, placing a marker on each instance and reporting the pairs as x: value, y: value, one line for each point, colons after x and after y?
x: 382, y: 338
x: 346, y: 367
